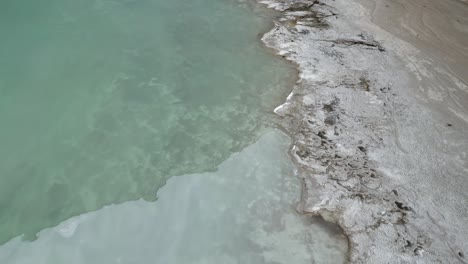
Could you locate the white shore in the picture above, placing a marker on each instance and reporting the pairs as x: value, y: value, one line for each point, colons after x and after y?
x: 380, y: 133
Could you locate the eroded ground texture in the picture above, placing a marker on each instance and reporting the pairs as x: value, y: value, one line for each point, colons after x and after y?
x: 380, y: 129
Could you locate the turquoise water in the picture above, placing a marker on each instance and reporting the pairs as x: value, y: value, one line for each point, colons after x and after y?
x: 102, y: 101
x: 141, y: 131
x: 241, y: 213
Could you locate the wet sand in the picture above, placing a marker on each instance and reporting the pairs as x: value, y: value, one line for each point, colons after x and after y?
x: 438, y: 28
x: 379, y: 121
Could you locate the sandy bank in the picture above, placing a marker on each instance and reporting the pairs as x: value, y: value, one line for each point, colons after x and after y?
x: 380, y: 130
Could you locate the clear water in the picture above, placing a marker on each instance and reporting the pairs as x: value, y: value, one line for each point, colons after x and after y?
x: 241, y: 213
x: 102, y: 101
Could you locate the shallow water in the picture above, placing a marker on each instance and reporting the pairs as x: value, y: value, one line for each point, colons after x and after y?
x: 102, y: 101
x: 241, y: 213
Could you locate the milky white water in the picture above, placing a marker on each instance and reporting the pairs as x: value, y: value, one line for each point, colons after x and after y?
x: 241, y: 213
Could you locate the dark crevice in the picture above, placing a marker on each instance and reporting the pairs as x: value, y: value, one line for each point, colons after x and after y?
x: 403, y: 207
x: 352, y: 42
x: 301, y: 7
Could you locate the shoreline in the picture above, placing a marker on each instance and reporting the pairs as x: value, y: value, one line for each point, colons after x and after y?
x: 370, y: 142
